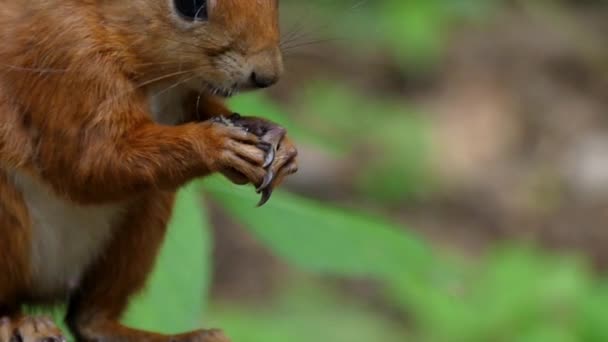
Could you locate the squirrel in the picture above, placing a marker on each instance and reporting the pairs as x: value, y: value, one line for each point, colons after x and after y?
x: 107, y: 108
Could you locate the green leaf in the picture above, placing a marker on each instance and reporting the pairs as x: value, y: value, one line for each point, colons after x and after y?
x: 321, y: 238
x: 174, y: 299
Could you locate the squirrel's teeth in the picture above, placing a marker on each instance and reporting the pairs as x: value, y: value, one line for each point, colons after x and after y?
x: 223, y: 92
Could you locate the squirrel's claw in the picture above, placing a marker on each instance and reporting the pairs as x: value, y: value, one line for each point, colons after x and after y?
x: 270, y: 150
x: 270, y: 157
x: 273, y: 137
x: 266, y: 194
x: 266, y: 183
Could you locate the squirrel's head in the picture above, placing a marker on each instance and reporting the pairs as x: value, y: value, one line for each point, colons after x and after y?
x: 221, y: 46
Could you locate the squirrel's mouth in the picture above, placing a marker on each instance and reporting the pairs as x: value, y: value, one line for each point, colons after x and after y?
x: 220, y: 91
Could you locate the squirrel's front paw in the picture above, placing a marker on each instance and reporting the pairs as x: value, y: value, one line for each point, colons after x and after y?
x: 237, y: 154
x: 281, y: 153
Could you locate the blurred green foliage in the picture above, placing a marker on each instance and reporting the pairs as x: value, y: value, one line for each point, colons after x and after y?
x: 353, y: 122
x: 414, y: 31
x: 303, y: 313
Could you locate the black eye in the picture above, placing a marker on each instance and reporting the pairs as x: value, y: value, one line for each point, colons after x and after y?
x: 192, y: 9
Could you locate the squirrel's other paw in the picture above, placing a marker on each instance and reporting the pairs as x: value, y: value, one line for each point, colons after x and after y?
x: 29, y: 329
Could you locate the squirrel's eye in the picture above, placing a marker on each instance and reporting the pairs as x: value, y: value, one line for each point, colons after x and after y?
x: 192, y: 9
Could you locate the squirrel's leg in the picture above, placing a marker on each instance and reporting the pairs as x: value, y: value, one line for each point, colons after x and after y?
x: 29, y: 329
x: 96, y: 307
x: 14, y: 265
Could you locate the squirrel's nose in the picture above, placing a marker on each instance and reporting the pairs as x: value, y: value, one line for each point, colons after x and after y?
x: 267, y: 68
x: 263, y: 80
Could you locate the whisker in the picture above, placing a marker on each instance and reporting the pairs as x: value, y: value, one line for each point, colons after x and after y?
x: 160, y: 78
x: 302, y: 34
x: 148, y: 82
x: 296, y: 38
x: 308, y: 43
x: 294, y: 31
x: 175, y: 85
x: 156, y: 63
x: 190, y: 44
x: 306, y: 56
x: 198, y: 102
x: 35, y: 70
x: 204, y: 6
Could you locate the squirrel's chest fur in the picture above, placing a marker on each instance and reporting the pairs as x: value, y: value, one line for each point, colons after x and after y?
x: 67, y: 237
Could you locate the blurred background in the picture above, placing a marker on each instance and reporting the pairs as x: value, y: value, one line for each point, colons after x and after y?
x: 453, y: 181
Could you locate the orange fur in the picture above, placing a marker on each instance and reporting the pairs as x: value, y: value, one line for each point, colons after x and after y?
x: 76, y: 81
x: 14, y: 247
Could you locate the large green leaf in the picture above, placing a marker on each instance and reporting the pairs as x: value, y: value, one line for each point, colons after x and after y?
x: 175, y: 296
x: 321, y: 238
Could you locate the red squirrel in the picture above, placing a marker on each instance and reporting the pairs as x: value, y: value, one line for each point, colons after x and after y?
x: 107, y: 108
